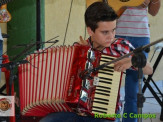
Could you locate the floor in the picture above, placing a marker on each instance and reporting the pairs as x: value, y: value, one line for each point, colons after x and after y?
x: 151, y: 106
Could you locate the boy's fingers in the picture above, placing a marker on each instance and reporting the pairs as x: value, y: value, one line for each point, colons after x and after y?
x: 82, y: 41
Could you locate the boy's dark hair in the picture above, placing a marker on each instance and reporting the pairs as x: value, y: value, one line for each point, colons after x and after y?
x: 99, y: 11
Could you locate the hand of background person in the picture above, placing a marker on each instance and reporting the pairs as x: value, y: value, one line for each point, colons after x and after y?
x: 145, y: 3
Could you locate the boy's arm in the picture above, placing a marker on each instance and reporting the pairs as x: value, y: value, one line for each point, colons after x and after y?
x: 126, y: 63
x: 123, y: 64
x: 147, y: 70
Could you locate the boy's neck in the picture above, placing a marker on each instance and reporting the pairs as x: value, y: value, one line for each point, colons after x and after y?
x: 96, y: 46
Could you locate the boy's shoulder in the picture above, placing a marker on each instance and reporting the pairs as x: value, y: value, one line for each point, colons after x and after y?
x: 121, y: 46
x: 121, y: 41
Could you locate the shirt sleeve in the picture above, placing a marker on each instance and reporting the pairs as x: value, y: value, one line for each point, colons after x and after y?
x: 123, y: 46
x: 127, y: 46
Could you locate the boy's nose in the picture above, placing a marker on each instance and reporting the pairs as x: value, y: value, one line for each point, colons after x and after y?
x: 110, y: 35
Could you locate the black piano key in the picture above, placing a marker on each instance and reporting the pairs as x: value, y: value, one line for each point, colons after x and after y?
x: 103, y: 81
x: 100, y: 108
x: 104, y: 61
x: 102, y: 99
x: 100, y: 111
x: 107, y: 73
x: 109, y: 67
x: 104, y: 103
x: 105, y: 78
x: 108, y: 58
x: 107, y: 70
x: 102, y: 90
x: 103, y: 87
x: 102, y: 93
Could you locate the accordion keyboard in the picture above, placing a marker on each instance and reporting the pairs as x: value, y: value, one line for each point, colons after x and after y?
x: 106, y: 93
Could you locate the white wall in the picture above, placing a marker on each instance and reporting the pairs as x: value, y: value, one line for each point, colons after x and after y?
x: 56, y: 20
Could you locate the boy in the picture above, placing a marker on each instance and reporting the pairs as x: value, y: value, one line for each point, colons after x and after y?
x: 100, y: 20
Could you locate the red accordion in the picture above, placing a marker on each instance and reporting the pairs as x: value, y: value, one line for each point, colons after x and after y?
x: 51, y: 82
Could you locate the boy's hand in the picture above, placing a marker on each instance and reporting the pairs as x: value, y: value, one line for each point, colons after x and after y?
x: 122, y: 65
x: 82, y: 41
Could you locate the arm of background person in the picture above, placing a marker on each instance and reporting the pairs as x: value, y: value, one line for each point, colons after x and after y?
x: 154, y: 7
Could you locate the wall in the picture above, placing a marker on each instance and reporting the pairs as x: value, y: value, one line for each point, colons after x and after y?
x: 57, y: 13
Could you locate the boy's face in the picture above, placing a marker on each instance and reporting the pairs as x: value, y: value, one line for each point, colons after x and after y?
x: 104, y: 35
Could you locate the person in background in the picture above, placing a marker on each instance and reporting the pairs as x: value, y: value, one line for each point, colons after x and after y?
x: 101, y: 22
x: 133, y: 25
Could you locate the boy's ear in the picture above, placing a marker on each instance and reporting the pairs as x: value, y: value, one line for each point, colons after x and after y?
x: 89, y: 30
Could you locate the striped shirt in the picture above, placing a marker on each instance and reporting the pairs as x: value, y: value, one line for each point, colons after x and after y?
x: 133, y: 22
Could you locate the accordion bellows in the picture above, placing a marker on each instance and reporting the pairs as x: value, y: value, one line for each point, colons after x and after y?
x: 51, y: 82
x: 44, y: 82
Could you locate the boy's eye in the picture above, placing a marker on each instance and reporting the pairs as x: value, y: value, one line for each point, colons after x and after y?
x: 105, y: 32
x: 111, y: 31
x: 114, y: 29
